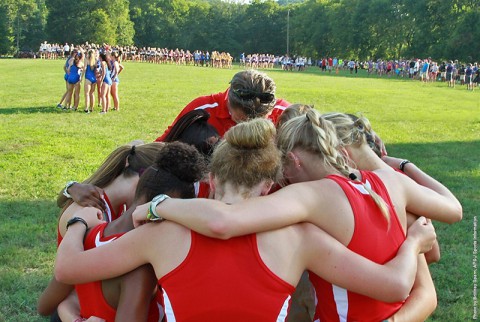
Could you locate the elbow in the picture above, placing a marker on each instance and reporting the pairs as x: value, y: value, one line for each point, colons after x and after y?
x: 219, y: 229
x: 62, y: 275
x: 457, y: 213
x: 43, y: 310
x: 400, y: 291
x: 433, y: 256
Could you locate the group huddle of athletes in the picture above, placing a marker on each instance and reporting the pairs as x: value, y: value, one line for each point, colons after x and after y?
x: 99, y: 70
x: 239, y: 210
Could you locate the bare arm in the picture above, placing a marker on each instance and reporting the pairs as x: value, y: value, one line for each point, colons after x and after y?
x: 136, y: 291
x: 69, y: 308
x: 433, y: 255
x: 52, y: 296
x: 422, y: 300
x: 450, y: 208
x: 292, y: 204
x: 74, y: 265
x: 86, y: 195
x: 391, y: 282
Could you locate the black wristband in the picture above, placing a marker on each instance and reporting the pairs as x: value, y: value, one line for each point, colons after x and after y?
x: 75, y: 220
x: 403, y: 164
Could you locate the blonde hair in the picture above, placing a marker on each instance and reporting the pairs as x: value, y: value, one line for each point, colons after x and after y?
x: 353, y: 130
x: 247, y: 155
x: 91, y: 59
x: 317, y: 135
x: 252, y: 92
x: 292, y: 111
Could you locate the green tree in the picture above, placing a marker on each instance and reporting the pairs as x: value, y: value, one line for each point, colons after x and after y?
x: 90, y: 20
x: 21, y: 25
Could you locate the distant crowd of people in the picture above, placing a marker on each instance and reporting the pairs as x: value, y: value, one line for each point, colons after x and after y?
x: 425, y: 70
x: 145, y: 54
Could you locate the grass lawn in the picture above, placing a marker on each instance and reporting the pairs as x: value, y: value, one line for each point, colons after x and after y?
x: 42, y: 147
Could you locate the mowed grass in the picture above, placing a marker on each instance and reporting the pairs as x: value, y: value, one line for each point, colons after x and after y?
x: 42, y: 147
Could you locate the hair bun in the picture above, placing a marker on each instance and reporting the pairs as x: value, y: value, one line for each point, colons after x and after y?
x: 254, y: 134
x: 181, y: 160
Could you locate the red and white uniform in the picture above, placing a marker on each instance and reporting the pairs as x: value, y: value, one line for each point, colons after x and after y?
x: 372, y: 239
x: 220, y: 118
x: 90, y: 295
x: 224, y: 280
x: 109, y: 215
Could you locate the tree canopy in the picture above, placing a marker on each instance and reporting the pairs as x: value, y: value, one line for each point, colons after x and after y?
x: 360, y: 29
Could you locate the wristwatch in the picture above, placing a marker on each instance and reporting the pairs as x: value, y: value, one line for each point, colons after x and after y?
x: 75, y: 220
x: 68, y: 185
x: 152, y: 213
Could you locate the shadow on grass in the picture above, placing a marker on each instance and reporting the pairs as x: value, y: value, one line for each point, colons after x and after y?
x: 30, y: 110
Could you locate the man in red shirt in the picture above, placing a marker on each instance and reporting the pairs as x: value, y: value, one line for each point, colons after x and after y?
x: 330, y: 64
x: 251, y: 94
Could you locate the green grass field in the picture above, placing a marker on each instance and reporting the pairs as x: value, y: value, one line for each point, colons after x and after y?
x: 42, y: 147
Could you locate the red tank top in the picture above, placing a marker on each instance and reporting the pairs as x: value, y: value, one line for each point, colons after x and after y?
x: 224, y: 280
x: 372, y: 239
x: 109, y: 215
x: 90, y: 295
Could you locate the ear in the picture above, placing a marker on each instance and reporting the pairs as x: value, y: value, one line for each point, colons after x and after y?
x: 211, y: 182
x: 345, y: 152
x: 294, y: 159
x: 267, y: 185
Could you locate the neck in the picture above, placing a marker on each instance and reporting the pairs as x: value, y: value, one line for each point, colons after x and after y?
x: 123, y: 224
x: 365, y: 159
x: 314, y: 167
x: 120, y: 191
x: 228, y: 193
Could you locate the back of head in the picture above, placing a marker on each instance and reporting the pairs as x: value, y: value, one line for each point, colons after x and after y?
x: 317, y: 135
x: 193, y: 128
x: 292, y: 111
x: 91, y: 59
x: 314, y: 134
x: 175, y: 170
x: 247, y: 155
x: 253, y: 93
x: 354, y: 130
x: 127, y: 160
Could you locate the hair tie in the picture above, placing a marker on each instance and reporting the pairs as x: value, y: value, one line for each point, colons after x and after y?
x: 352, y: 176
x: 132, y: 151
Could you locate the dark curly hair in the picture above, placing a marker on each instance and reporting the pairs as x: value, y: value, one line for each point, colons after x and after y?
x: 177, y: 167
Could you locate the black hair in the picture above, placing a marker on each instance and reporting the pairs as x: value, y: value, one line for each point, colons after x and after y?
x: 193, y: 128
x: 177, y: 167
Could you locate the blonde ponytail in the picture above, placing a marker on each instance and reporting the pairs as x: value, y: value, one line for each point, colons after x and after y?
x: 315, y: 134
x: 381, y: 204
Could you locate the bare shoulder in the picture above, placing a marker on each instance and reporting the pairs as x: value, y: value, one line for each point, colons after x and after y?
x: 168, y: 245
x: 66, y: 215
x: 163, y: 230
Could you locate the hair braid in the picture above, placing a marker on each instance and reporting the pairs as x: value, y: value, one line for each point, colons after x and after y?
x: 318, y: 135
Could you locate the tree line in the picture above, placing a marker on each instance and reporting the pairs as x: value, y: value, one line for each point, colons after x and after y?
x: 352, y: 29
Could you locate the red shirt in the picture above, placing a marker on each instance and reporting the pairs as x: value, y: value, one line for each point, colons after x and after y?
x: 224, y: 280
x: 90, y: 295
x: 220, y: 118
x: 372, y: 239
